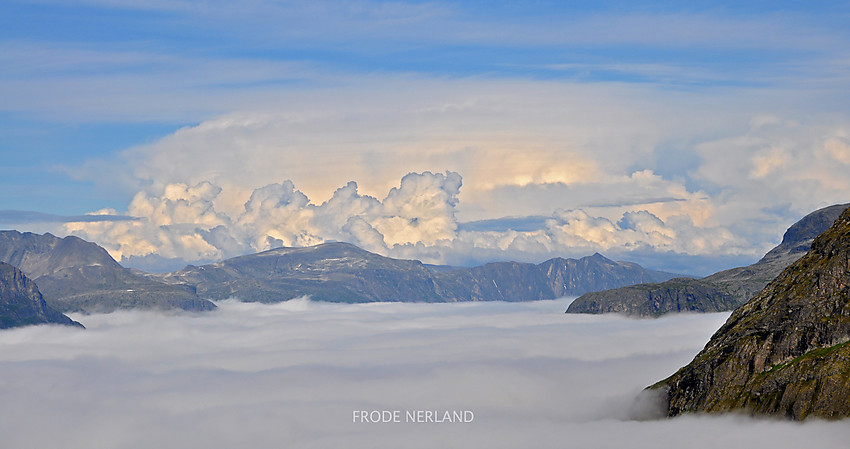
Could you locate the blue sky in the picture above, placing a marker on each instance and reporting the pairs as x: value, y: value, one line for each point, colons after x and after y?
x: 734, y: 114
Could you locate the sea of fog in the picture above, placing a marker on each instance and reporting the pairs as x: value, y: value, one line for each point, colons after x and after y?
x: 296, y: 375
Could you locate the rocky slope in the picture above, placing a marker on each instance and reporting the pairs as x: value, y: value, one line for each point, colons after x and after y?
x: 786, y: 352
x: 21, y: 304
x: 719, y: 292
x: 76, y: 275
x: 652, y: 300
x: 341, y: 272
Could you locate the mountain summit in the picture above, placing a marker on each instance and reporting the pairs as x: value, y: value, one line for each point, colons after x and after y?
x: 786, y: 352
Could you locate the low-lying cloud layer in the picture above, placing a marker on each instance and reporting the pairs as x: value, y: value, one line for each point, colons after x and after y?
x: 292, y: 374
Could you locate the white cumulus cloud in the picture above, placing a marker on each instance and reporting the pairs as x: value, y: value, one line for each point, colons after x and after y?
x: 417, y: 219
x: 184, y: 222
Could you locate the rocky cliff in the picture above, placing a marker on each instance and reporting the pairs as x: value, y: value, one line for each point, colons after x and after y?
x: 76, y: 275
x: 652, y: 300
x: 719, y: 292
x: 21, y: 303
x: 786, y: 352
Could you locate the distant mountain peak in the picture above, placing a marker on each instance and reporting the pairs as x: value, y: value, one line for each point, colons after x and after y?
x: 596, y: 257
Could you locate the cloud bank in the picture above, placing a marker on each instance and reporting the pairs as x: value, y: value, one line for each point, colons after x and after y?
x: 291, y: 374
x: 682, y: 181
x: 416, y: 219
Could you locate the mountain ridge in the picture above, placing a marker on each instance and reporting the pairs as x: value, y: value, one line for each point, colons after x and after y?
x: 342, y: 272
x: 719, y: 292
x: 76, y: 275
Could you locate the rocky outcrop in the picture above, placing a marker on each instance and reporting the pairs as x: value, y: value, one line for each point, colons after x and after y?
x: 341, y: 272
x: 21, y: 304
x: 786, y: 352
x: 79, y: 276
x: 652, y: 300
x: 719, y: 292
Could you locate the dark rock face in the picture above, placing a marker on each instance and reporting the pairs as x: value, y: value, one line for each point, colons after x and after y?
x: 341, y: 272
x: 652, y: 300
x: 500, y: 281
x: 21, y: 304
x: 786, y: 352
x: 76, y: 275
x: 719, y: 292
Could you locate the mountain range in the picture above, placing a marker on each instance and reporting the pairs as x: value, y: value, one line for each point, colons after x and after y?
x: 341, y: 272
x: 74, y: 275
x: 718, y: 292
